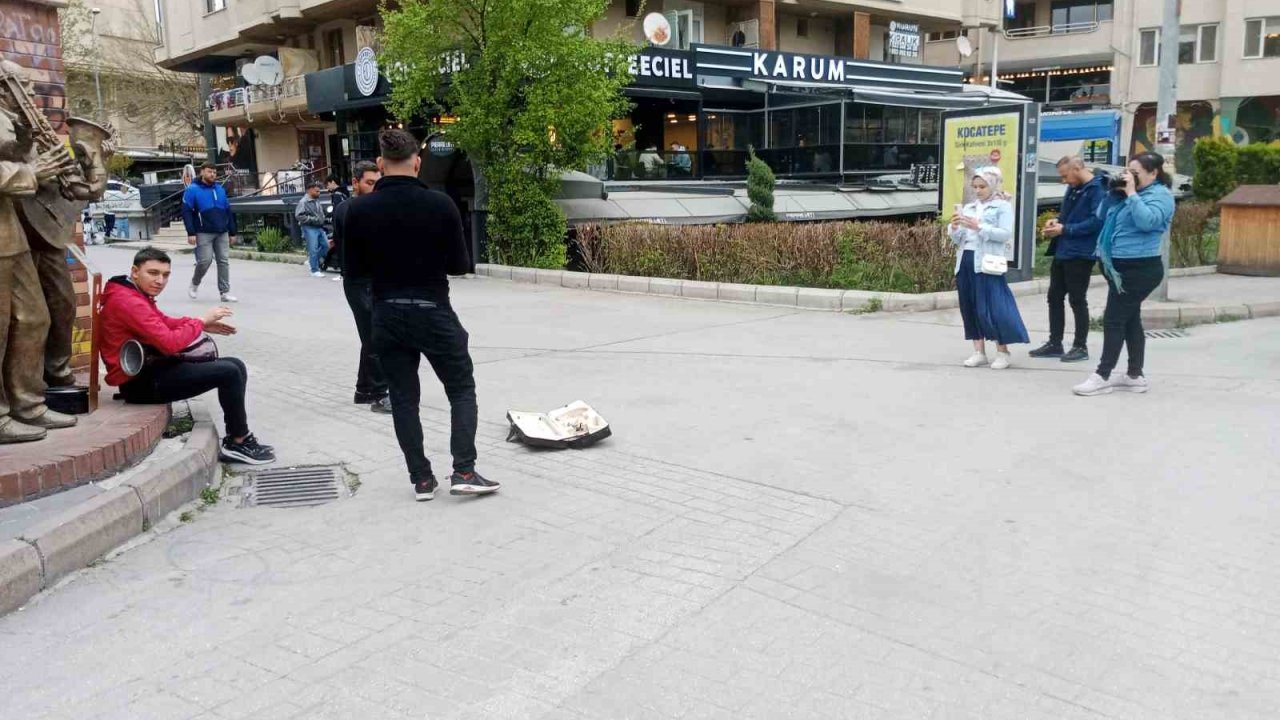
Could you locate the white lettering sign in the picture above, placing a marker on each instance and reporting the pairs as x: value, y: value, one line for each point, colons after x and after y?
x: 904, y: 39
x: 660, y: 66
x: 366, y: 71
x: 774, y: 66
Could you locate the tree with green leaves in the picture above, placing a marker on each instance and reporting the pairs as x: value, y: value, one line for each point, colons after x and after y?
x: 533, y: 93
x: 760, y: 184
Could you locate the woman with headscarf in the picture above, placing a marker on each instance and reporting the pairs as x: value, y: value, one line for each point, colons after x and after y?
x: 982, y: 228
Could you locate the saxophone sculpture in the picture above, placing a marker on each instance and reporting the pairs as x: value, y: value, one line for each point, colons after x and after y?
x: 16, y: 93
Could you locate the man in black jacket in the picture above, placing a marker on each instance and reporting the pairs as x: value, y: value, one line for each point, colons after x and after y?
x: 408, y: 240
x: 371, y: 385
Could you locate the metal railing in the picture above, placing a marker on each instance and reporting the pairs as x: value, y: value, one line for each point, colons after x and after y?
x: 292, y: 87
x: 1040, y: 31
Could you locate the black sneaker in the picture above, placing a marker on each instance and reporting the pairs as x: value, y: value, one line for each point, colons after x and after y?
x: 247, y: 451
x: 382, y: 406
x: 254, y: 440
x: 1047, y: 350
x: 472, y: 483
x: 1077, y: 354
x: 367, y: 398
x: 425, y: 490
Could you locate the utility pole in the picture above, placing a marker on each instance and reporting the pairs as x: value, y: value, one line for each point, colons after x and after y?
x: 1167, y: 117
x: 97, y: 62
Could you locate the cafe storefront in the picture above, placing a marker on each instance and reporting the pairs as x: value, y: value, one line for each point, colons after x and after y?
x: 698, y: 113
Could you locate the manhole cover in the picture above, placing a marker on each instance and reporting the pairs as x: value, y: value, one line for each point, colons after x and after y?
x: 292, y: 487
x: 1165, y: 334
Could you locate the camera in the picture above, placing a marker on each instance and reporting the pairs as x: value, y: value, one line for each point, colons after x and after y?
x: 1118, y: 181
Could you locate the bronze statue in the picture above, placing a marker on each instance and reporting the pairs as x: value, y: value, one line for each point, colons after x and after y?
x: 42, y: 191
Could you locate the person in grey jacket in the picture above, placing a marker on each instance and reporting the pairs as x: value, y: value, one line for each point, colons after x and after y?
x: 310, y: 216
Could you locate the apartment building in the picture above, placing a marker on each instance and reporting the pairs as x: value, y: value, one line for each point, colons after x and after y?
x: 290, y: 94
x: 1101, y: 56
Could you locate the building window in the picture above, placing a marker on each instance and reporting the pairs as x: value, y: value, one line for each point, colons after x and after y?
x: 941, y: 35
x: 213, y: 6
x: 1074, y: 12
x: 687, y: 27
x: 1262, y: 37
x: 1149, y: 47
x: 1024, y: 17
x: 334, y: 51
x: 802, y: 27
x: 633, y: 8
x: 1197, y: 44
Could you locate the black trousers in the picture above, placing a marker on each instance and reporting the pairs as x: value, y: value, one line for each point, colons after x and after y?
x: 1122, y: 322
x: 369, y: 376
x: 1069, y: 279
x: 404, y: 332
x: 184, y: 380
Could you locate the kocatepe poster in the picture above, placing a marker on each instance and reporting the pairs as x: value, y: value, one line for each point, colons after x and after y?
x: 969, y: 143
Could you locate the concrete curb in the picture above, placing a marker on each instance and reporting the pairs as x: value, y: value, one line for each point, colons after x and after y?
x: 79, y: 536
x: 1160, y: 318
x: 808, y: 298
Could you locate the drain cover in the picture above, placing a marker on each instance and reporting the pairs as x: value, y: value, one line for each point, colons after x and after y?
x: 292, y: 487
x: 1165, y: 334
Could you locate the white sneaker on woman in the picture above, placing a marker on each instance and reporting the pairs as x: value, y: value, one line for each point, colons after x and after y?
x: 317, y: 274
x: 1095, y: 385
x: 1001, y: 362
x: 1131, y: 384
x: 976, y: 360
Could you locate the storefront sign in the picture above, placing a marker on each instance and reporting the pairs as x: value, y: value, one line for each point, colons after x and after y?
x: 665, y: 68
x: 441, y: 148
x: 904, y: 39
x: 821, y: 69
x: 366, y: 72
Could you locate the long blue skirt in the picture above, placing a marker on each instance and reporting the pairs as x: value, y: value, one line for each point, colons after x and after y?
x: 987, y: 306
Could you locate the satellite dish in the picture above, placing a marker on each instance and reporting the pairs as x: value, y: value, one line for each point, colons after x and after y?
x: 250, y: 73
x: 657, y: 29
x: 270, y: 71
x: 964, y: 46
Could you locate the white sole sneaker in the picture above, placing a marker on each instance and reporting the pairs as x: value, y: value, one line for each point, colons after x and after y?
x: 1094, y: 386
x: 1128, y: 384
x: 1001, y: 362
x: 976, y: 360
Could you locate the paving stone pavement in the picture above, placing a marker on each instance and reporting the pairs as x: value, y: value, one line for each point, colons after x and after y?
x: 757, y: 541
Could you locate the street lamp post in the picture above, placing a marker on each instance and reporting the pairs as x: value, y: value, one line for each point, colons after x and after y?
x: 97, y: 61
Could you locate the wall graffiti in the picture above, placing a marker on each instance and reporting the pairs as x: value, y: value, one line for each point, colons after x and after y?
x: 28, y: 24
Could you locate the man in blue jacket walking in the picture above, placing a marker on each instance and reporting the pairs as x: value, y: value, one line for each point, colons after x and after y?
x: 210, y: 227
x: 1073, y: 244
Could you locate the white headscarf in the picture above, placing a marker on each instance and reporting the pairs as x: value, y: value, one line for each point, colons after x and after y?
x: 994, y: 179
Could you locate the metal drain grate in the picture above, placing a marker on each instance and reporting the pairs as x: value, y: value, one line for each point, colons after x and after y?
x: 1165, y: 334
x: 292, y: 487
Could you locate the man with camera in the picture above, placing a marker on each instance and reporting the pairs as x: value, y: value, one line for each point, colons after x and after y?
x: 1073, y: 243
x: 129, y: 312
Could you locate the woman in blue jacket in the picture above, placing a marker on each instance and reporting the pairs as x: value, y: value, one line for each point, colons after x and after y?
x: 1135, y: 218
x: 985, y: 227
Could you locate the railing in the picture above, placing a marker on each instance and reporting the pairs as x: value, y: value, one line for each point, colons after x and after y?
x: 295, y: 86
x: 1047, y: 30
x: 225, y: 100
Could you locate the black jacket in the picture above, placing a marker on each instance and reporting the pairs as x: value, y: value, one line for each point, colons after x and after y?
x: 406, y: 238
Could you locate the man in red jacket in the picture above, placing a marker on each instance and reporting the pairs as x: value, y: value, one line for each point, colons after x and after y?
x: 129, y: 312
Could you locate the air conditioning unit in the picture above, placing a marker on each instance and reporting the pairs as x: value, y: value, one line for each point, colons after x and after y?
x: 745, y: 34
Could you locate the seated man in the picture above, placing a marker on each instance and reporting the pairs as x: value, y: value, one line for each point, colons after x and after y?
x: 129, y: 312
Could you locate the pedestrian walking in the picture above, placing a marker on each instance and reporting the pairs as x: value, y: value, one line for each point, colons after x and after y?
x: 408, y: 239
x: 310, y: 216
x: 983, y: 233
x: 1136, y: 214
x: 1073, y: 241
x: 371, y: 384
x: 337, y: 193
x: 211, y: 226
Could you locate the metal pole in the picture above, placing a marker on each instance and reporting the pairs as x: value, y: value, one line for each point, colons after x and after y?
x: 97, y: 62
x: 995, y: 56
x: 1167, y: 117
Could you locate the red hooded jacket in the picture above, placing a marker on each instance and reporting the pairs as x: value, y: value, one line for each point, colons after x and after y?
x: 129, y: 314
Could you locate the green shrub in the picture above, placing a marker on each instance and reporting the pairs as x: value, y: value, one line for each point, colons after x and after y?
x: 1216, y: 168
x: 526, y: 227
x: 1258, y: 164
x: 274, y: 240
x: 760, y: 184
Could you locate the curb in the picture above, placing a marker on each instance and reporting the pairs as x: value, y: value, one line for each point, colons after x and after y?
x: 1191, y: 315
x: 257, y: 256
x: 76, y: 538
x: 778, y: 295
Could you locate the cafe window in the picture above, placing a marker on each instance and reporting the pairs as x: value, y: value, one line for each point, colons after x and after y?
x: 1149, y: 47
x: 930, y: 125
x: 1197, y: 44
x: 1088, y: 88
x: 1262, y: 37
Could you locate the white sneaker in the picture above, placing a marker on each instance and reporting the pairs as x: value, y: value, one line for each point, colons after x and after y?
x: 338, y: 279
x: 1095, y: 385
x: 1131, y: 384
x: 317, y: 274
x: 228, y: 297
x: 1001, y: 362
x: 976, y: 360
x: 192, y: 291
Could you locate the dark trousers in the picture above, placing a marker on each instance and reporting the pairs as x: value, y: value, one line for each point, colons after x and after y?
x: 1069, y: 278
x: 369, y: 377
x: 172, y: 382
x: 1122, y: 322
x: 402, y: 334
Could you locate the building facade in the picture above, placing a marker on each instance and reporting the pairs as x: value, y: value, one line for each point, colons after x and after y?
x: 1103, y: 55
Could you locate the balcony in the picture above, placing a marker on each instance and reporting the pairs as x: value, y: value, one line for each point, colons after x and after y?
x: 259, y: 104
x: 1052, y: 44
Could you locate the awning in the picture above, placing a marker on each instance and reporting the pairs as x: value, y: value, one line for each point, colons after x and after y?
x: 1097, y: 125
x: 661, y: 93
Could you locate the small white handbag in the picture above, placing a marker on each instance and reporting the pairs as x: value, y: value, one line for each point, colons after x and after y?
x: 994, y: 265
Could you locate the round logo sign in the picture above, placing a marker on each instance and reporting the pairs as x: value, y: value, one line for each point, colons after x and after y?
x: 657, y: 28
x: 366, y: 72
x: 995, y: 156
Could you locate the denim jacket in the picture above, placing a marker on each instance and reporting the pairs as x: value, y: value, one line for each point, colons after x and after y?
x: 994, y: 237
x: 1139, y: 223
